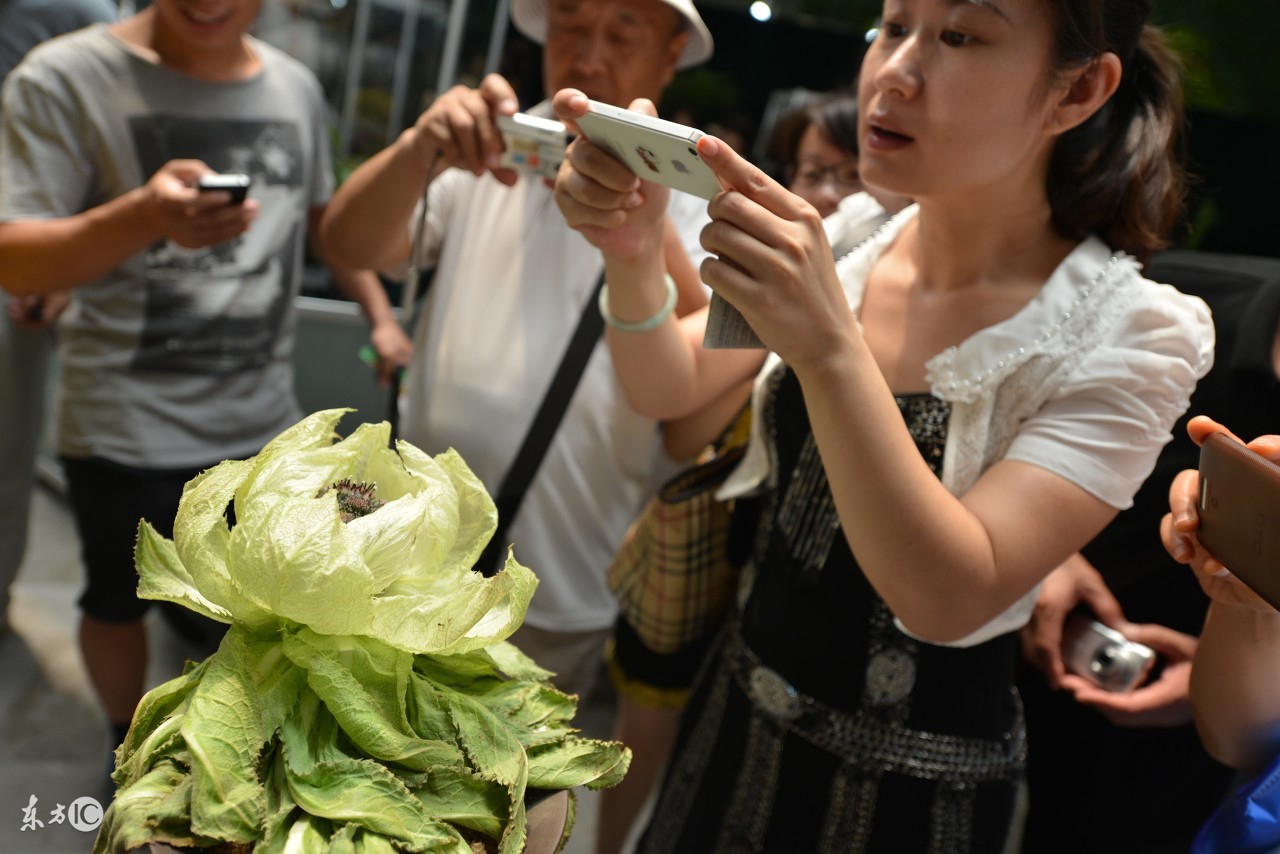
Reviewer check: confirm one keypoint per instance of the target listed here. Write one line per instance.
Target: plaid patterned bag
(672, 576)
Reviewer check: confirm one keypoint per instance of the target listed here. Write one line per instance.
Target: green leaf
(365, 793)
(462, 797)
(162, 705)
(162, 742)
(201, 537)
(367, 702)
(578, 762)
(223, 731)
(296, 832)
(497, 755)
(511, 661)
(161, 575)
(374, 843)
(155, 809)
(477, 515)
(278, 681)
(452, 614)
(317, 430)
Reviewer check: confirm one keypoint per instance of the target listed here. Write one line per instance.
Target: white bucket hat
(530, 18)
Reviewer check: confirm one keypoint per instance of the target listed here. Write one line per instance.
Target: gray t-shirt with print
(176, 358)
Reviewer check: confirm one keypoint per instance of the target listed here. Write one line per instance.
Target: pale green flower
(400, 574)
(364, 698)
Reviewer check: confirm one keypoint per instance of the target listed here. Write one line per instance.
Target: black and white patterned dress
(817, 725)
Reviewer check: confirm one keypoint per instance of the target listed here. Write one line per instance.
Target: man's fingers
(460, 126)
(569, 104)
(497, 92)
(465, 131)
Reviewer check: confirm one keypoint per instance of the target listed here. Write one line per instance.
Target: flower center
(354, 499)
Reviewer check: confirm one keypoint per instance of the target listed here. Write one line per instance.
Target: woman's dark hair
(835, 115)
(1119, 174)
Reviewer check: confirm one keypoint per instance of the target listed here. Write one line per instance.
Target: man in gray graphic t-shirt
(176, 348)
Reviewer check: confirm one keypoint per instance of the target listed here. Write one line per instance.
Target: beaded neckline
(944, 371)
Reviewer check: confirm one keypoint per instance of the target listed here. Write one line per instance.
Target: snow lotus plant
(364, 698)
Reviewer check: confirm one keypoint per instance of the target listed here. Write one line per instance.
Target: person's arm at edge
(1235, 685)
(364, 223)
(1235, 692)
(41, 256)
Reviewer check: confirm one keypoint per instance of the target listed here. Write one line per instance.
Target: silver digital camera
(532, 144)
(1103, 655)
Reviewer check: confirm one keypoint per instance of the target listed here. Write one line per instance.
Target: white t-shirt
(511, 283)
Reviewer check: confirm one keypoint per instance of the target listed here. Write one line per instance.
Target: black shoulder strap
(543, 430)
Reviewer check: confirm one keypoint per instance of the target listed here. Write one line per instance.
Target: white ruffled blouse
(1085, 381)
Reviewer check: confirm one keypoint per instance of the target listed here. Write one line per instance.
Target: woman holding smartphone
(945, 414)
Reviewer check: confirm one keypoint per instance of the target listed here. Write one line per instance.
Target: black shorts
(107, 500)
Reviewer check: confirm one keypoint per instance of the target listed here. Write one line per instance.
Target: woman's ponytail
(1120, 175)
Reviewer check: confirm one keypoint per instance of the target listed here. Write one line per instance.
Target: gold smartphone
(1239, 507)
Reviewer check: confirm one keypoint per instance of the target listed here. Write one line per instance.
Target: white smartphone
(532, 144)
(667, 153)
(655, 149)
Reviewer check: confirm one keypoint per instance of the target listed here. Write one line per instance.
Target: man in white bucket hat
(512, 281)
(530, 18)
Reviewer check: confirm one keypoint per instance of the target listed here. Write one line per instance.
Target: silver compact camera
(1103, 655)
(532, 144)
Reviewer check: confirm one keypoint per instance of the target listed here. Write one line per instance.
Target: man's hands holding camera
(459, 129)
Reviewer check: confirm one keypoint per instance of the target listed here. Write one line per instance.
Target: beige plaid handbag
(672, 576)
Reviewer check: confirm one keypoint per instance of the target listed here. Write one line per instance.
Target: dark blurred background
(381, 61)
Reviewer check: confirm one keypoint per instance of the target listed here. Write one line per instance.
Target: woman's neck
(962, 245)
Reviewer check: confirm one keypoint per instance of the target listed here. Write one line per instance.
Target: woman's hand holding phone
(600, 197)
(771, 260)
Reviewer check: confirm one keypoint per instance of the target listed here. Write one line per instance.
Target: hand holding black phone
(1239, 510)
(235, 183)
